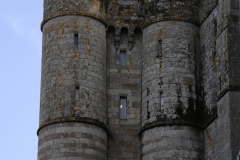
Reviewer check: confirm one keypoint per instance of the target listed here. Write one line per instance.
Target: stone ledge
(73, 119)
(174, 122)
(73, 13)
(229, 88)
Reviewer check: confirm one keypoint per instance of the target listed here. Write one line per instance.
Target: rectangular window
(148, 92)
(148, 112)
(159, 49)
(123, 58)
(161, 100)
(77, 93)
(123, 107)
(75, 41)
(220, 83)
(215, 36)
(215, 27)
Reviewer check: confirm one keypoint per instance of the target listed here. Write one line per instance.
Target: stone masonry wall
(208, 36)
(173, 74)
(123, 142)
(217, 136)
(124, 13)
(70, 141)
(234, 104)
(220, 137)
(206, 7)
(234, 76)
(170, 10)
(172, 143)
(223, 135)
(211, 82)
(197, 73)
(90, 8)
(65, 68)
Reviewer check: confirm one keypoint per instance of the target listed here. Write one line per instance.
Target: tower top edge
(91, 8)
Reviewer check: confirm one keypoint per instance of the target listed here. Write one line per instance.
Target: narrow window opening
(75, 41)
(215, 40)
(203, 48)
(215, 27)
(123, 58)
(220, 83)
(123, 107)
(77, 93)
(148, 112)
(159, 49)
(161, 100)
(138, 6)
(148, 91)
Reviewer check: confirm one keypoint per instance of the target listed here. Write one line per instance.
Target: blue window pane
(123, 107)
(123, 58)
(75, 41)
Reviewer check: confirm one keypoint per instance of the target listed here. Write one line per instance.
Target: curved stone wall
(65, 68)
(172, 142)
(173, 74)
(72, 141)
(90, 8)
(169, 91)
(169, 10)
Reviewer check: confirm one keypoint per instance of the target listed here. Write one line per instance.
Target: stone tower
(170, 80)
(131, 80)
(73, 87)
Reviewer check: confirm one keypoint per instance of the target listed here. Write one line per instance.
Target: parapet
(169, 10)
(91, 8)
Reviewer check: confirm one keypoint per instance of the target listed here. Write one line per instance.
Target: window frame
(77, 90)
(121, 52)
(75, 41)
(122, 108)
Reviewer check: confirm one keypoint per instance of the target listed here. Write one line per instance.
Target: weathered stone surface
(172, 142)
(182, 96)
(90, 8)
(169, 10)
(173, 74)
(64, 68)
(124, 142)
(71, 141)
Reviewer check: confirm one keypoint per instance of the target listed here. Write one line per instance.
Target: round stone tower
(170, 124)
(73, 84)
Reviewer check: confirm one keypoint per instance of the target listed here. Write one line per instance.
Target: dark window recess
(203, 48)
(159, 49)
(75, 41)
(123, 107)
(148, 112)
(148, 92)
(215, 36)
(77, 93)
(161, 100)
(215, 27)
(123, 58)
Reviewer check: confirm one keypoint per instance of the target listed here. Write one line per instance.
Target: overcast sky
(20, 72)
